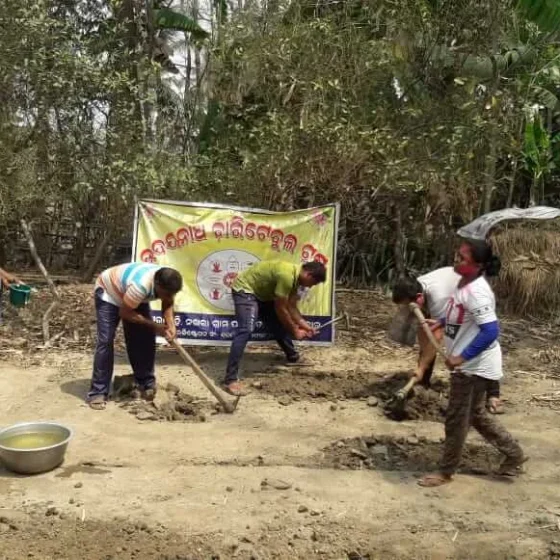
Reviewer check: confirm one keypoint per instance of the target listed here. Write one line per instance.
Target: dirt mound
(415, 454)
(170, 404)
(421, 404)
(424, 404)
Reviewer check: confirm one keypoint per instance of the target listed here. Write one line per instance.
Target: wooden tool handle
(228, 406)
(420, 316)
(402, 393)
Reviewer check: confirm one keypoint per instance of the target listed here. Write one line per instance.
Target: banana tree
(162, 20)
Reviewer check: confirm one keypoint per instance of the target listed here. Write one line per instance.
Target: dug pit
(412, 454)
(295, 385)
(309, 384)
(170, 404)
(421, 404)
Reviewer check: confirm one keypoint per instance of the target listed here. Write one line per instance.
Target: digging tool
(401, 394)
(415, 308)
(344, 317)
(228, 405)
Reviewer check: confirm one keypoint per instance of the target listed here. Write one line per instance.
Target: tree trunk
(41, 267)
(398, 246)
(99, 252)
(489, 174)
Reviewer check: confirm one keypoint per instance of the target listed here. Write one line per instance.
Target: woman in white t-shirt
(431, 292)
(474, 357)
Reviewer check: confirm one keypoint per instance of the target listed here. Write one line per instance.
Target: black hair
(406, 288)
(481, 253)
(316, 270)
(169, 280)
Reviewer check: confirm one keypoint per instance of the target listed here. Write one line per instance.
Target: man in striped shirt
(123, 292)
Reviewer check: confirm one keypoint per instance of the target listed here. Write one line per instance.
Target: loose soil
(422, 404)
(307, 467)
(170, 404)
(413, 454)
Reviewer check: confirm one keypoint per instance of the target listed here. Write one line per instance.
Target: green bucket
(20, 295)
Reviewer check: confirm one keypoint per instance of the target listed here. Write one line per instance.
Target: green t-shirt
(269, 280)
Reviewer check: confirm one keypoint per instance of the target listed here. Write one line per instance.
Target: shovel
(344, 317)
(228, 405)
(401, 395)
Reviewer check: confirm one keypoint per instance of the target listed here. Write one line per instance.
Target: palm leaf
(547, 99)
(164, 18)
(545, 13)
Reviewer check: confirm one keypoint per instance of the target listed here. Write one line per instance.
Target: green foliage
(166, 18)
(411, 113)
(536, 148)
(545, 13)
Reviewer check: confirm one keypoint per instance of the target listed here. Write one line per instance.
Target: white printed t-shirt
(439, 286)
(470, 306)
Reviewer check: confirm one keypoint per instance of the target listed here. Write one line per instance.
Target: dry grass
(529, 282)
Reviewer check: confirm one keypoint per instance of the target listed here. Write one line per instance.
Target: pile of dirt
(170, 404)
(299, 384)
(412, 454)
(421, 404)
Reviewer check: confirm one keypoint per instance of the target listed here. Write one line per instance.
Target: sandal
(98, 402)
(435, 480)
(149, 394)
(236, 389)
(512, 467)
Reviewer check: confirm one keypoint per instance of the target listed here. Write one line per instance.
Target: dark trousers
(492, 386)
(140, 346)
(247, 309)
(466, 408)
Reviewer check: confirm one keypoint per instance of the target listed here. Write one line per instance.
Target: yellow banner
(210, 245)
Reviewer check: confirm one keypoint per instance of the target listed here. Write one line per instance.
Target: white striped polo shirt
(128, 284)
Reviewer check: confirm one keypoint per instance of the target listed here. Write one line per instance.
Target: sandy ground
(305, 468)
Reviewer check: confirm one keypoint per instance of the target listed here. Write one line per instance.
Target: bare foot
(435, 480)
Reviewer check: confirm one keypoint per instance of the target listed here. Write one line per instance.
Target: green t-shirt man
(272, 285)
(269, 280)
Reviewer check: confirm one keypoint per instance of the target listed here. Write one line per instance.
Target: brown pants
(467, 408)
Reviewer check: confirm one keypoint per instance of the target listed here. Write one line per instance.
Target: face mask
(467, 270)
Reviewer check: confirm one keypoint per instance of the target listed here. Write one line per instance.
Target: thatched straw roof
(529, 282)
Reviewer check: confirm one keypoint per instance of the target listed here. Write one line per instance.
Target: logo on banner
(217, 273)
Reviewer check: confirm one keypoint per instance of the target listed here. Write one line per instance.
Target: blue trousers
(247, 309)
(140, 346)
